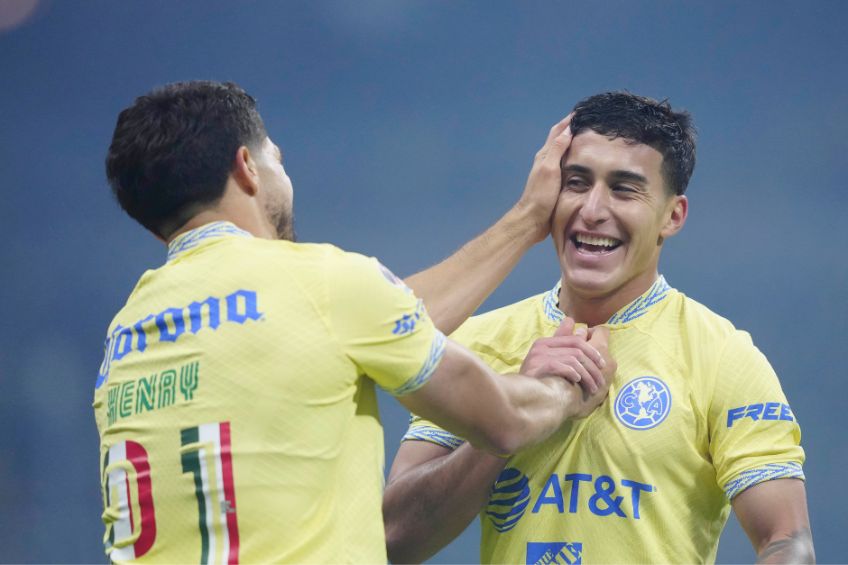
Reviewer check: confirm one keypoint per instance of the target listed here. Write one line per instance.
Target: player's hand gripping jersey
(695, 415)
(235, 418)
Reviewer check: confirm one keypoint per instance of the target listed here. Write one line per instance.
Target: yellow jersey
(236, 402)
(695, 415)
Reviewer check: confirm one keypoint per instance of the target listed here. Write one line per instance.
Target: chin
(589, 283)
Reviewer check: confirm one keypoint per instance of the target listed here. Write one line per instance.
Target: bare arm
(453, 289)
(774, 515)
(494, 412)
(433, 493)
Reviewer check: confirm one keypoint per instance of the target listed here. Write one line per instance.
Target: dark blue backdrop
(408, 127)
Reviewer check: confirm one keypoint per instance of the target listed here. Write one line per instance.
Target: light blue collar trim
(639, 307)
(192, 238)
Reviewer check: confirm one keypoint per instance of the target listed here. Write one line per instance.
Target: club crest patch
(643, 403)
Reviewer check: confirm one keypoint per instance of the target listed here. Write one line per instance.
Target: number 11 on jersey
(206, 454)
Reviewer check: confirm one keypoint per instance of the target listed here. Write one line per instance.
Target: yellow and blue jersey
(695, 415)
(236, 402)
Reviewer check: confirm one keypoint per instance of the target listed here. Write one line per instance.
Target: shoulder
(695, 325)
(710, 340)
(507, 331)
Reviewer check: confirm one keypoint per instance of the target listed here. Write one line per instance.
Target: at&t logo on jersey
(509, 499)
(573, 493)
(643, 403)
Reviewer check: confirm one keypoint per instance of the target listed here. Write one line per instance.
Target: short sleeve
(754, 436)
(424, 430)
(380, 324)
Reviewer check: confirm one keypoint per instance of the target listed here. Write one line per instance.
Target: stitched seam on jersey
(192, 239)
(757, 475)
(433, 435)
(437, 351)
(714, 380)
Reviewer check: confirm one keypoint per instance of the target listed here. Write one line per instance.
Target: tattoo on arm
(797, 548)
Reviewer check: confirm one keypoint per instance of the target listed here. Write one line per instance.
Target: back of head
(639, 119)
(173, 150)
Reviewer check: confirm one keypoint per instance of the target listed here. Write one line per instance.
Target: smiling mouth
(594, 244)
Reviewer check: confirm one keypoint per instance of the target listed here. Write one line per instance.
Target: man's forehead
(592, 150)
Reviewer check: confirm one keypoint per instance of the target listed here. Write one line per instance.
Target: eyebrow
(618, 174)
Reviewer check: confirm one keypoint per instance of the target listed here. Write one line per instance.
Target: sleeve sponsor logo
(556, 552)
(406, 324)
(643, 403)
(759, 412)
(172, 323)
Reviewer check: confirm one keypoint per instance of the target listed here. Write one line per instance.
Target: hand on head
(545, 180)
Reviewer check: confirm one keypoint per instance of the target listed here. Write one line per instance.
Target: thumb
(566, 328)
(599, 335)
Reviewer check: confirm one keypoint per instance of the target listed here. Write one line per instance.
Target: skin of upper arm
(413, 453)
(774, 515)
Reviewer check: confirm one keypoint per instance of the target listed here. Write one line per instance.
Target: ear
(245, 171)
(678, 210)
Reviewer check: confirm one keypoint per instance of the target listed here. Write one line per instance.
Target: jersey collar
(639, 307)
(193, 238)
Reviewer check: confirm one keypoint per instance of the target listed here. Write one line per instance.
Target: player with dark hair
(696, 421)
(236, 401)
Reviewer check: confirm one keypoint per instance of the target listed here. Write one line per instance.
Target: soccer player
(236, 401)
(696, 422)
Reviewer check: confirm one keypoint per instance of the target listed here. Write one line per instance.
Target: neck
(592, 309)
(247, 222)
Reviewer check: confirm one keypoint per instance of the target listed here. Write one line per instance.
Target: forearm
(795, 548)
(453, 289)
(430, 505)
(493, 412)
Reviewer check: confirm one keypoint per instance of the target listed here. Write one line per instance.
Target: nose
(595, 208)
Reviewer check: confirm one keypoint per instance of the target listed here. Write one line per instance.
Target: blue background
(408, 127)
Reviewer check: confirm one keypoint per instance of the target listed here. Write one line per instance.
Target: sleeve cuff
(433, 435)
(757, 475)
(437, 350)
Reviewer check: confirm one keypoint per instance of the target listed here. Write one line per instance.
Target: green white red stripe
(206, 453)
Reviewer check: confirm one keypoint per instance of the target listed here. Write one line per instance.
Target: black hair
(639, 119)
(174, 147)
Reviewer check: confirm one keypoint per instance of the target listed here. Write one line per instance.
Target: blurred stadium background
(408, 127)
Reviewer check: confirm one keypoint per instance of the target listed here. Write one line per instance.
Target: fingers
(558, 128)
(599, 335)
(577, 363)
(566, 328)
(558, 145)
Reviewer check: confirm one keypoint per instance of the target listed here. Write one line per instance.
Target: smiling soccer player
(696, 421)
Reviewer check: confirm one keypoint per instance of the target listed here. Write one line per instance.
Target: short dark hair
(174, 147)
(639, 119)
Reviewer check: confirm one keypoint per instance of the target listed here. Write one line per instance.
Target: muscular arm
(418, 524)
(774, 515)
(453, 289)
(494, 412)
(433, 493)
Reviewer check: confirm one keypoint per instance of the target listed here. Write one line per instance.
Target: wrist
(527, 222)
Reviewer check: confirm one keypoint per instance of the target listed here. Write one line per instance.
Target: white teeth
(593, 240)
